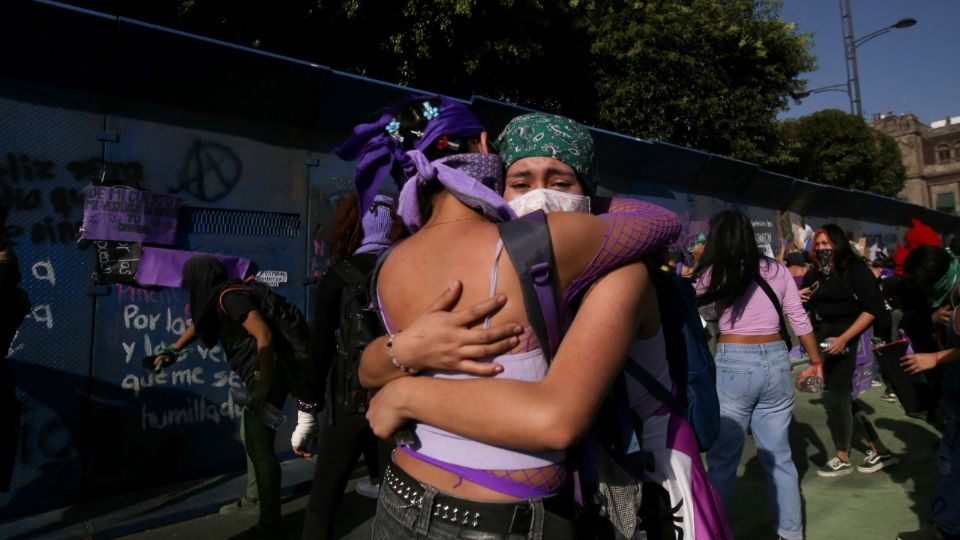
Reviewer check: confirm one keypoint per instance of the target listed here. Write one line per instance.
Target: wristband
(309, 408)
(393, 358)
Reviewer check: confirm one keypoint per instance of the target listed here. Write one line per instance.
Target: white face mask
(550, 200)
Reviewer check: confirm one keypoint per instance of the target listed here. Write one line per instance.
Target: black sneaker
(889, 397)
(835, 467)
(874, 461)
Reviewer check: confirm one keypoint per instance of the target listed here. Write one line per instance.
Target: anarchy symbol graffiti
(210, 172)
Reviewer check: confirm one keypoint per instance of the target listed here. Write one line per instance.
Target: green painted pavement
(856, 507)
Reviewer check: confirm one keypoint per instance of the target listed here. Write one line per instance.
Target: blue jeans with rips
(755, 388)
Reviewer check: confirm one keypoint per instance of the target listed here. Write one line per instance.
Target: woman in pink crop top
(428, 491)
(754, 382)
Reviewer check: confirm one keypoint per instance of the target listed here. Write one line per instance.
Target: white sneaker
(368, 489)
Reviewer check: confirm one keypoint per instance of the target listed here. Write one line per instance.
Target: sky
(914, 69)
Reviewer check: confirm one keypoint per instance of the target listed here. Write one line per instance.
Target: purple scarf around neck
(474, 179)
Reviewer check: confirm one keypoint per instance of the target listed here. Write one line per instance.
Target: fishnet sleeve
(634, 228)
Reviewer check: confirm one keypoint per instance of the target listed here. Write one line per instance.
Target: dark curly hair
(412, 125)
(346, 234)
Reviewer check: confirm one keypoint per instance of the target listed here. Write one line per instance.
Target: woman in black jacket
(844, 298)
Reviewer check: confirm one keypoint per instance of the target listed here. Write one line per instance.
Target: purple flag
(129, 215)
(164, 267)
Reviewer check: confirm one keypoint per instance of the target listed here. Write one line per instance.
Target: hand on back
(446, 340)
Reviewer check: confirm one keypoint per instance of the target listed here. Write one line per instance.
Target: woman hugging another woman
(491, 432)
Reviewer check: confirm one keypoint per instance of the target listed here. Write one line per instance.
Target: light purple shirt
(754, 314)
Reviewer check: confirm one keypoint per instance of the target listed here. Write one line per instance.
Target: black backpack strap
(349, 273)
(784, 335)
(528, 244)
(238, 286)
(653, 386)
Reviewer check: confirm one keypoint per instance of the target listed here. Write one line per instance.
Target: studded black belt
(493, 517)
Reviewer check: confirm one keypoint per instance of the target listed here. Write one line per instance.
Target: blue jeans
(945, 508)
(755, 388)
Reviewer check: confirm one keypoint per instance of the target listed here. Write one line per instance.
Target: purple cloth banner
(129, 215)
(164, 267)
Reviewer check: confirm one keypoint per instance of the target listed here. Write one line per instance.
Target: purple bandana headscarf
(378, 152)
(475, 179)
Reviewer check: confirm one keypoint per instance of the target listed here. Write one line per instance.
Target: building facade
(931, 155)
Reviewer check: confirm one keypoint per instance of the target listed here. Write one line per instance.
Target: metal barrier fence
(244, 138)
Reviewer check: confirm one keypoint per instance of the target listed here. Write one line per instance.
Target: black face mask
(824, 256)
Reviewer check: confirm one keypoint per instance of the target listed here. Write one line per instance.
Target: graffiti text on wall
(24, 187)
(41, 313)
(149, 324)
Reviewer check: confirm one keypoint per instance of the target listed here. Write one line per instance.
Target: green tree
(840, 149)
(706, 74)
(528, 52)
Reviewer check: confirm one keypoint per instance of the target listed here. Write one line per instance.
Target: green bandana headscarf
(946, 284)
(549, 135)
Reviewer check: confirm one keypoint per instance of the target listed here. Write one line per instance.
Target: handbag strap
(776, 303)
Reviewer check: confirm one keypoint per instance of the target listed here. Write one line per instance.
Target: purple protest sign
(164, 267)
(129, 215)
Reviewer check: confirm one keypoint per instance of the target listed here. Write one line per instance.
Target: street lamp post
(845, 88)
(850, 45)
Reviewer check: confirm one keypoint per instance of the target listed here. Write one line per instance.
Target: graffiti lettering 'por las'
(210, 171)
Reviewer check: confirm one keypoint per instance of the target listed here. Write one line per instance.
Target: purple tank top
(473, 460)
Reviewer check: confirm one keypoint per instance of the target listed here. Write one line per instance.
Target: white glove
(305, 435)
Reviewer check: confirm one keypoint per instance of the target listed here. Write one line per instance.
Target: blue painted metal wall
(245, 139)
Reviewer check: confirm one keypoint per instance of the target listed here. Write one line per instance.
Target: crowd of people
(491, 339)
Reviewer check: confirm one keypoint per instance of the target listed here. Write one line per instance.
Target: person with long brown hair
(844, 297)
(754, 296)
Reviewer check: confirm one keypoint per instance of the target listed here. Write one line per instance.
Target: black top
(840, 299)
(239, 346)
(326, 315)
